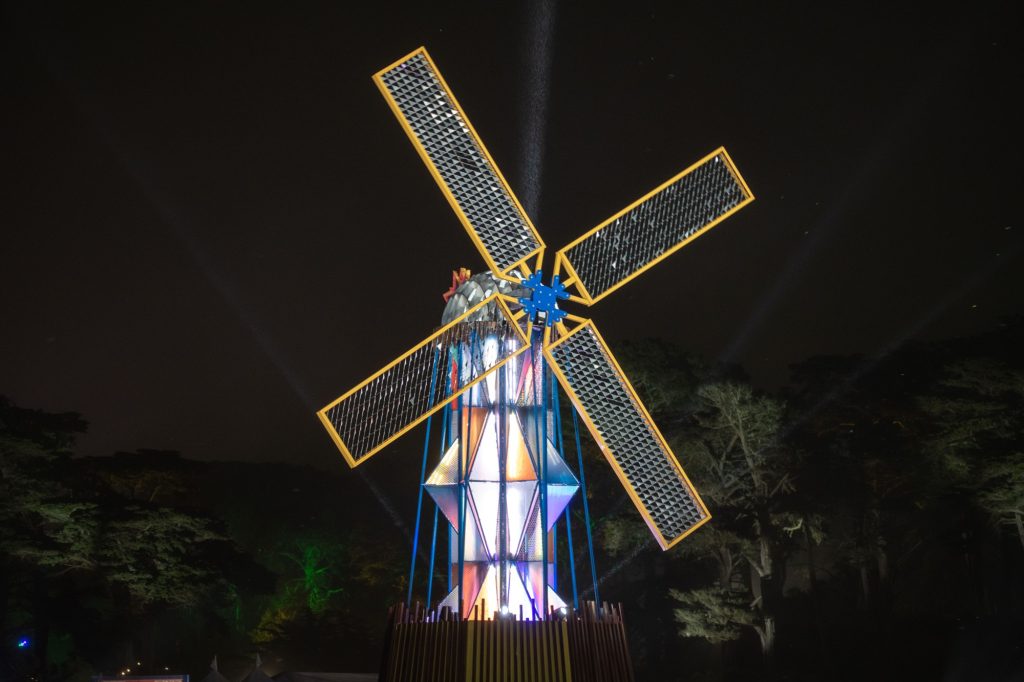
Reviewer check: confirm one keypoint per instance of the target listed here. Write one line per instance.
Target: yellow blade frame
(385, 406)
(653, 227)
(459, 162)
(626, 434)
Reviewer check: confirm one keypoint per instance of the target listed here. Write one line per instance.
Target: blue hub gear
(543, 300)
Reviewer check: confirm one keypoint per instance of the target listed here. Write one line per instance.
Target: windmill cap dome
(476, 289)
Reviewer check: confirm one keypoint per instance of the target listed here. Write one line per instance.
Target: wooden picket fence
(581, 646)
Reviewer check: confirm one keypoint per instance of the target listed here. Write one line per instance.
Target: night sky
(212, 224)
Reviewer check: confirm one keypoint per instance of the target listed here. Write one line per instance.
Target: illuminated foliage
(311, 586)
(157, 556)
(740, 465)
(317, 575)
(978, 411)
(40, 521)
(1002, 491)
(712, 613)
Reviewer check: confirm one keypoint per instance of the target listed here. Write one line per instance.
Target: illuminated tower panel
(492, 466)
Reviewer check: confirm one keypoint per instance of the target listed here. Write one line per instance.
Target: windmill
(501, 481)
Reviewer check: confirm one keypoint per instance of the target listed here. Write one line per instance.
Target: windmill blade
(626, 434)
(459, 162)
(654, 226)
(417, 384)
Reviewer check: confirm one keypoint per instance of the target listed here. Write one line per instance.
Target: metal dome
(476, 289)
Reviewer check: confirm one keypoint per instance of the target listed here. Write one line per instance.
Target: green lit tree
(312, 584)
(317, 581)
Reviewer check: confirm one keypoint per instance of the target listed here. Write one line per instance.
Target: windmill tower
(493, 370)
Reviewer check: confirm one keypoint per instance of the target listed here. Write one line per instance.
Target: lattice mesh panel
(459, 159)
(630, 438)
(629, 242)
(395, 399)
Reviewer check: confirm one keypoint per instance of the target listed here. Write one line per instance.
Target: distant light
(504, 609)
(22, 643)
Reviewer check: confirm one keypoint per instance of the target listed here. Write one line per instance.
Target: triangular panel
(472, 428)
(487, 599)
(447, 470)
(523, 571)
(490, 353)
(554, 601)
(473, 575)
(474, 548)
(524, 382)
(520, 501)
(530, 546)
(558, 497)
(531, 427)
(535, 579)
(485, 459)
(484, 498)
(519, 464)
(557, 471)
(519, 601)
(446, 497)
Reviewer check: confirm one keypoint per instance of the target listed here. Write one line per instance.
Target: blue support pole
(557, 409)
(446, 443)
(503, 553)
(419, 498)
(554, 528)
(572, 561)
(433, 547)
(544, 483)
(462, 483)
(554, 556)
(433, 537)
(539, 453)
(586, 511)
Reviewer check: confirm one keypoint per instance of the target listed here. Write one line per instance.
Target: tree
(44, 532)
(741, 468)
(1001, 491)
(40, 522)
(318, 581)
(70, 545)
(715, 614)
(159, 557)
(976, 409)
(310, 583)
